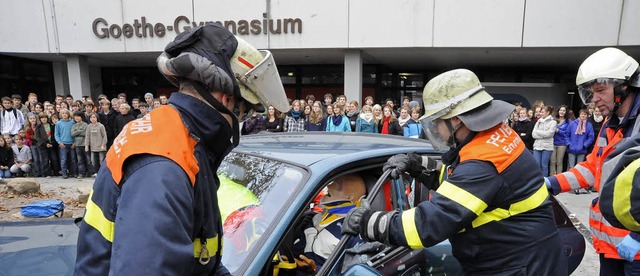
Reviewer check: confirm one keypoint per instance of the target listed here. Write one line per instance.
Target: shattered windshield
(253, 190)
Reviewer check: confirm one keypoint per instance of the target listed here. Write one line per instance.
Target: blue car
(268, 183)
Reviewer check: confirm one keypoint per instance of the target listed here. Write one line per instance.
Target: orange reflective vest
(589, 173)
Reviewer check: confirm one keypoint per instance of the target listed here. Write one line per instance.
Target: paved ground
(67, 190)
(578, 208)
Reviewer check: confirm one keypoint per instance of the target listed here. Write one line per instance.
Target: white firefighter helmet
(258, 77)
(459, 93)
(608, 65)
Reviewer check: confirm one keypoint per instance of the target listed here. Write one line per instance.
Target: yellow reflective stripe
(442, 172)
(622, 196)
(212, 247)
(96, 219)
(462, 197)
(410, 229)
(525, 205)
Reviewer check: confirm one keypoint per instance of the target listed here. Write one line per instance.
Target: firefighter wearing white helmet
(154, 206)
(491, 206)
(609, 79)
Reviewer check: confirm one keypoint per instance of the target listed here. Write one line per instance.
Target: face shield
(599, 86)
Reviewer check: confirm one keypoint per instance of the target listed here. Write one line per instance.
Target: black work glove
(372, 226)
(412, 163)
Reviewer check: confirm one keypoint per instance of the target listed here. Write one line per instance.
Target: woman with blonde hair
(377, 113)
(295, 121)
(338, 122)
(316, 121)
(365, 121)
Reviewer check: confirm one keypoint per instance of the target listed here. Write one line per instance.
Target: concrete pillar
(79, 83)
(353, 75)
(60, 78)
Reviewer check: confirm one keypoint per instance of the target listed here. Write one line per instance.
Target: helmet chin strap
(235, 125)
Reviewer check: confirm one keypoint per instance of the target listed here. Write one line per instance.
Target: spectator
(96, 142)
(591, 108)
(63, 136)
(6, 159)
(531, 115)
(365, 121)
(78, 132)
(524, 127)
(122, 119)
(253, 125)
(342, 99)
(8, 140)
(58, 99)
(135, 107)
(391, 104)
(543, 132)
(144, 110)
(317, 121)
(30, 136)
(368, 101)
(164, 100)
(22, 157)
(17, 104)
(68, 100)
(38, 108)
(273, 123)
(404, 115)
(560, 141)
(377, 114)
(148, 98)
(123, 98)
(295, 121)
(115, 105)
(581, 137)
(352, 113)
(539, 111)
(107, 118)
(45, 139)
(413, 128)
(11, 119)
(389, 123)
(338, 122)
(156, 103)
(307, 110)
(596, 121)
(328, 101)
(32, 100)
(310, 99)
(64, 105)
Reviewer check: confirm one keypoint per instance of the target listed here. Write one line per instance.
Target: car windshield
(253, 190)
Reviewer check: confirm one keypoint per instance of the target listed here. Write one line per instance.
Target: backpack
(43, 209)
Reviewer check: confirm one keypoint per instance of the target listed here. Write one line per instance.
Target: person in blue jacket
(65, 141)
(365, 121)
(154, 208)
(413, 128)
(338, 122)
(560, 141)
(581, 137)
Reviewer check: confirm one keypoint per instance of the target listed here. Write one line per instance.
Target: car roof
(307, 148)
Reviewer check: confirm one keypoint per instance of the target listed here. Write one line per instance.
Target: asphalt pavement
(577, 206)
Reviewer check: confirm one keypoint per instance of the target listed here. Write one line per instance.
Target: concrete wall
(65, 26)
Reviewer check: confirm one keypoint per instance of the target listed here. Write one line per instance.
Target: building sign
(142, 28)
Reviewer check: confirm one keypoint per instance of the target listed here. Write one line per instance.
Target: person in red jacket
(608, 78)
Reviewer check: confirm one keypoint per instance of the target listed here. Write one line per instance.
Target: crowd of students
(340, 116)
(555, 134)
(63, 137)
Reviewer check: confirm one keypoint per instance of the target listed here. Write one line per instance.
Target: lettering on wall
(142, 28)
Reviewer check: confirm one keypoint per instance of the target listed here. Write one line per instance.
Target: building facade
(521, 50)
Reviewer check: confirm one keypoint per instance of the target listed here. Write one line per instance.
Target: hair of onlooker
(316, 117)
(16, 97)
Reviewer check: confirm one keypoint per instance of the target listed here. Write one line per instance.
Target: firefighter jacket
(494, 209)
(613, 134)
(153, 209)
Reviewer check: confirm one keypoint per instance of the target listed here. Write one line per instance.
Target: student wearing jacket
(581, 137)
(543, 132)
(524, 127)
(493, 208)
(338, 122)
(389, 124)
(413, 128)
(154, 206)
(365, 121)
(560, 141)
(608, 78)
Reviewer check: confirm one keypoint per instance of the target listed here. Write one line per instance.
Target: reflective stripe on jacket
(493, 208)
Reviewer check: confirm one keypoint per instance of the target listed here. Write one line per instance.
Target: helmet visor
(264, 82)
(598, 87)
(432, 131)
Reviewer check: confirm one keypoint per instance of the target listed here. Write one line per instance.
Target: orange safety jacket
(589, 173)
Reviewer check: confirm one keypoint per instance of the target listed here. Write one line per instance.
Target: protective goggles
(586, 90)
